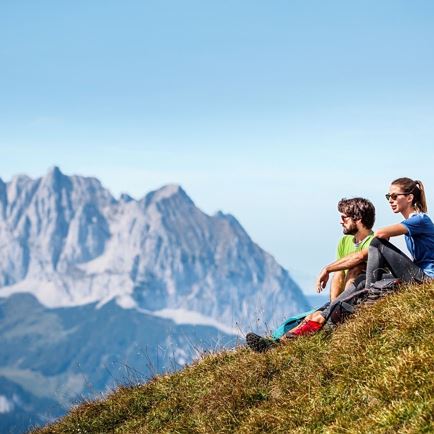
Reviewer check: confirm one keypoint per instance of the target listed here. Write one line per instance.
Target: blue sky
(271, 111)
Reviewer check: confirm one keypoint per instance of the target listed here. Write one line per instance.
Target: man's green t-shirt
(347, 245)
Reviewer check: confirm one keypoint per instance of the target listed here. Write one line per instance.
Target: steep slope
(66, 240)
(373, 374)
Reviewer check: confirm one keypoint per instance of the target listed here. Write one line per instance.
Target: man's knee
(354, 273)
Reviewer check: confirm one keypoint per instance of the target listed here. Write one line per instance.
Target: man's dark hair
(358, 208)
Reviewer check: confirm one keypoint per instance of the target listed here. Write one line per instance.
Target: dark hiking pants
(383, 256)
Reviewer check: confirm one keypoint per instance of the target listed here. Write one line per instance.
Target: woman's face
(399, 201)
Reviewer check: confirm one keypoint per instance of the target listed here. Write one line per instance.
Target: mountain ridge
(90, 283)
(68, 241)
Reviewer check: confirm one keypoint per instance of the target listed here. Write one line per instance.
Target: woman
(408, 198)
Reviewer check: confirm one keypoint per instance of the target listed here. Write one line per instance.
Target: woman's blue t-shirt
(420, 241)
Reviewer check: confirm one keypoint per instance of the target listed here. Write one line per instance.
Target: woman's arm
(391, 231)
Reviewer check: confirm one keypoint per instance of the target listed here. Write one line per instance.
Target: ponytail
(415, 188)
(421, 204)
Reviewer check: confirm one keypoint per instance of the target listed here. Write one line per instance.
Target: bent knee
(355, 271)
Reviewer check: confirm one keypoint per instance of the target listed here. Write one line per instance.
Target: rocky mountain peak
(169, 192)
(54, 175)
(125, 197)
(171, 196)
(69, 242)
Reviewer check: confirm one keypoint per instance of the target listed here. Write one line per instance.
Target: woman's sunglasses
(394, 196)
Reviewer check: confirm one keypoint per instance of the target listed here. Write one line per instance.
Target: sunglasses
(345, 217)
(394, 196)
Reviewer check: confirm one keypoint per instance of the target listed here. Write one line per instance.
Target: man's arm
(344, 263)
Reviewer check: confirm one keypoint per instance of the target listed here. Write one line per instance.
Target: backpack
(348, 305)
(382, 288)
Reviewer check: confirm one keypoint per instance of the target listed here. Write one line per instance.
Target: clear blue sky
(271, 111)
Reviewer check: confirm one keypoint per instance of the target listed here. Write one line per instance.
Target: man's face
(349, 226)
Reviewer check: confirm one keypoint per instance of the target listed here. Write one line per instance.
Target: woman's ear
(410, 198)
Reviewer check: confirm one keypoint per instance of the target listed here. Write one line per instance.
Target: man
(357, 217)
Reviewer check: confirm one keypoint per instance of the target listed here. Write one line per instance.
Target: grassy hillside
(372, 374)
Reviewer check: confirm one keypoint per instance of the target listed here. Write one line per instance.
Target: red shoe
(308, 328)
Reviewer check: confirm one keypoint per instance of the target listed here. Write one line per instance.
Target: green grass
(372, 374)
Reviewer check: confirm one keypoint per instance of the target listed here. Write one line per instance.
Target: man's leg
(352, 281)
(383, 254)
(355, 275)
(314, 316)
(353, 285)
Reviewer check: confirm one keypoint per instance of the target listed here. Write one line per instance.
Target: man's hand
(322, 280)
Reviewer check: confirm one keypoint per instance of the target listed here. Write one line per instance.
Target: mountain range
(86, 279)
(69, 242)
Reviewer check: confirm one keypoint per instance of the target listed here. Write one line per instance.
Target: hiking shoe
(308, 328)
(258, 343)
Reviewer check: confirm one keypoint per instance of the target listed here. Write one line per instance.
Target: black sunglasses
(394, 196)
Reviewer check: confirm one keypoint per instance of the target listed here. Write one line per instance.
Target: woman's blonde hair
(415, 188)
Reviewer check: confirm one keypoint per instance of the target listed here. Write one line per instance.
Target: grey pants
(382, 254)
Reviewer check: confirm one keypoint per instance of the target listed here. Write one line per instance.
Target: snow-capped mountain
(68, 241)
(123, 287)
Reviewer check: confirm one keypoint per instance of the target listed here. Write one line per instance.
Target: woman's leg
(383, 254)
